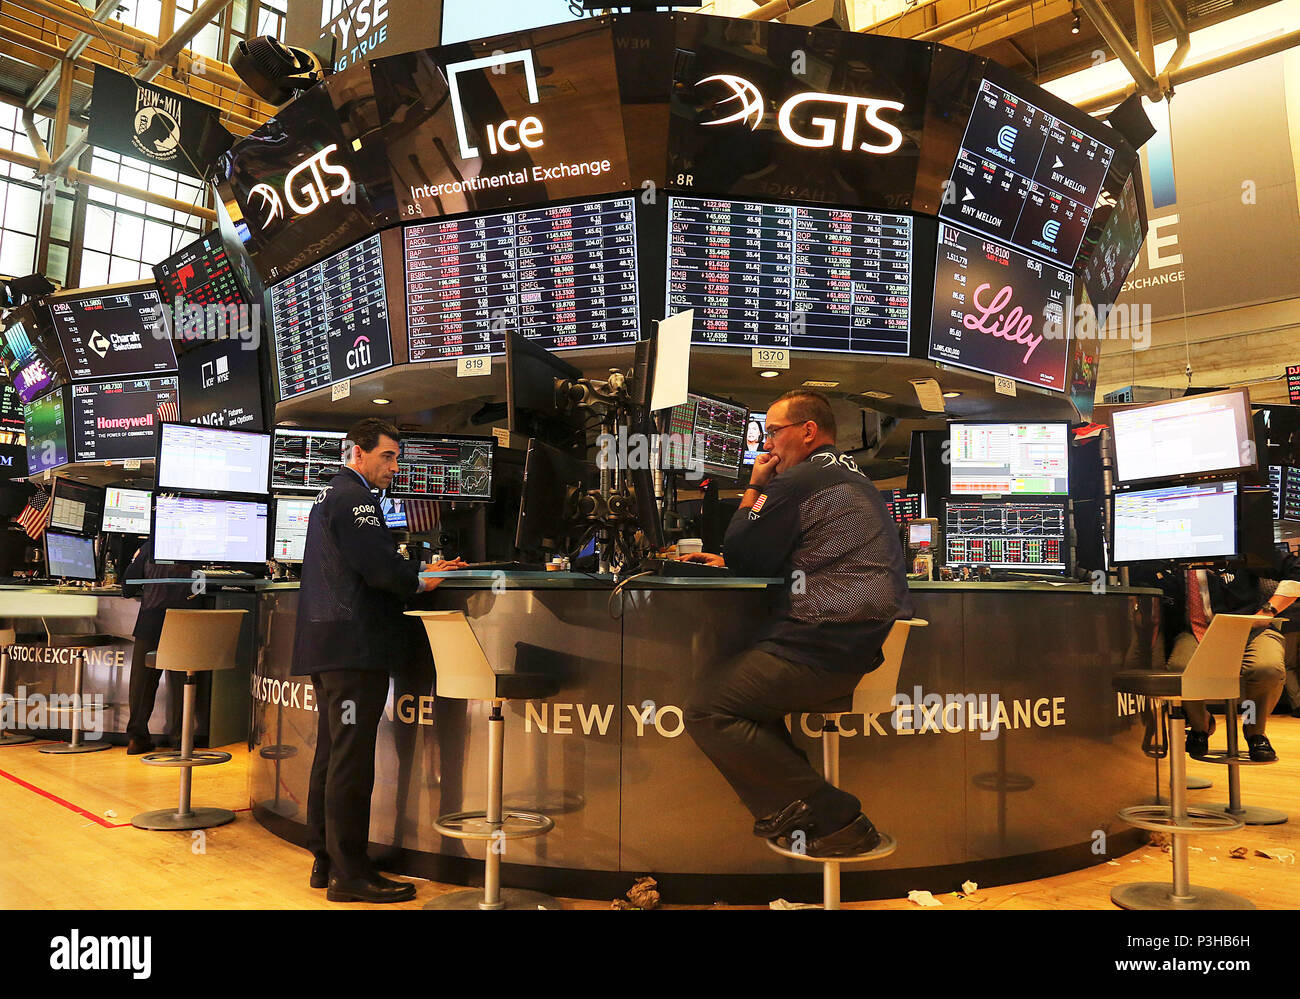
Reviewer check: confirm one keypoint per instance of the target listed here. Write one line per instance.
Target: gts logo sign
(307, 193)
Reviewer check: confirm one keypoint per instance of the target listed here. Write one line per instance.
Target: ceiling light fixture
(768, 374)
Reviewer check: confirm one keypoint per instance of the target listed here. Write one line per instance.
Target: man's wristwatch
(1268, 609)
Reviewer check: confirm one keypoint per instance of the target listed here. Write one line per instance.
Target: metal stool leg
(8, 738)
(185, 816)
(1183, 895)
(76, 745)
(831, 769)
(1252, 815)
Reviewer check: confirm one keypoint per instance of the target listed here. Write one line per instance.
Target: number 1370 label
(770, 357)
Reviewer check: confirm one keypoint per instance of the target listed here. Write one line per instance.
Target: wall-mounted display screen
(120, 419)
(444, 468)
(221, 386)
(330, 322)
(208, 530)
(766, 275)
(47, 433)
(199, 274)
(1005, 535)
(1010, 459)
(1026, 177)
(1117, 248)
(31, 355)
(1179, 522)
(564, 276)
(205, 459)
(127, 511)
(113, 335)
(716, 431)
(999, 311)
(305, 459)
(1204, 434)
(902, 505)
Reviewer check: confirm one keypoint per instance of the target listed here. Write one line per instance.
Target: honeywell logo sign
(812, 119)
(124, 423)
(310, 184)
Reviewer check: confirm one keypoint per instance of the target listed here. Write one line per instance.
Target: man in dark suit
(350, 634)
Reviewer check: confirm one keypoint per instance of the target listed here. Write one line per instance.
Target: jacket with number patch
(355, 585)
(824, 528)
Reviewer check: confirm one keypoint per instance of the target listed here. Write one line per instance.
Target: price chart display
(330, 321)
(200, 275)
(765, 275)
(1025, 176)
(1005, 535)
(444, 468)
(564, 276)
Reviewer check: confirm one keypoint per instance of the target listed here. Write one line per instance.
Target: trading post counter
(1006, 759)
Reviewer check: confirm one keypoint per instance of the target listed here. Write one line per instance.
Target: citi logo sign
(839, 120)
(512, 134)
(359, 356)
(305, 194)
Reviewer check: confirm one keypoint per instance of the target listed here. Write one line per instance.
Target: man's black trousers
(349, 705)
(737, 717)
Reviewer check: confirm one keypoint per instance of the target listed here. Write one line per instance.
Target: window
(208, 40)
(20, 196)
(143, 14)
(271, 16)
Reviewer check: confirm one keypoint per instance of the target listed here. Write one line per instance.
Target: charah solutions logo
(845, 117)
(304, 194)
(101, 953)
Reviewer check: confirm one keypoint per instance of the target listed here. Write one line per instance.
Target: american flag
(169, 412)
(421, 516)
(36, 514)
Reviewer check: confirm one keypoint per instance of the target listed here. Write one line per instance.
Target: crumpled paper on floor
(923, 898)
(642, 895)
(1277, 853)
(781, 903)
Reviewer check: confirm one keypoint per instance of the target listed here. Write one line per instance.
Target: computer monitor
(903, 506)
(70, 556)
(755, 428)
(212, 460)
(394, 511)
(113, 333)
(535, 405)
(716, 430)
(76, 507)
(209, 530)
(290, 538)
(126, 511)
(46, 425)
(921, 533)
(549, 517)
(1176, 523)
(444, 467)
(1006, 534)
(1009, 459)
(1199, 435)
(305, 459)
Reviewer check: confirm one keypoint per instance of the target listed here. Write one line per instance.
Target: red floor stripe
(77, 808)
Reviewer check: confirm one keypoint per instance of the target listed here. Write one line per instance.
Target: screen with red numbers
(200, 274)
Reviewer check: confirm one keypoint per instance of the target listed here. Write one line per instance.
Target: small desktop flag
(36, 514)
(421, 516)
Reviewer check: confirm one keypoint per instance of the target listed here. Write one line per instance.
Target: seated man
(811, 517)
(1263, 672)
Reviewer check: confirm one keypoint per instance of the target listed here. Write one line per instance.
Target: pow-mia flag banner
(155, 125)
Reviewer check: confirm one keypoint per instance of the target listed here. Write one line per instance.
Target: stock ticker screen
(119, 419)
(444, 468)
(330, 321)
(305, 459)
(199, 274)
(902, 505)
(717, 431)
(1006, 535)
(563, 276)
(767, 275)
(1025, 176)
(113, 335)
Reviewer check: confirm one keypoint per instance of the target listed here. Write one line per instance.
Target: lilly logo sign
(305, 194)
(839, 119)
(512, 134)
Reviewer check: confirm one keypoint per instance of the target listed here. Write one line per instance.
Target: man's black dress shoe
(137, 746)
(320, 872)
(1198, 744)
(1261, 750)
(796, 815)
(371, 888)
(854, 839)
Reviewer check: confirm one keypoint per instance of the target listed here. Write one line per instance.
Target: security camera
(276, 73)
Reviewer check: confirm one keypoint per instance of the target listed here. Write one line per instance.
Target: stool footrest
(1160, 818)
(515, 824)
(1242, 759)
(886, 846)
(198, 758)
(168, 819)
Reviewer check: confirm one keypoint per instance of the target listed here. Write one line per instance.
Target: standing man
(810, 516)
(142, 689)
(350, 633)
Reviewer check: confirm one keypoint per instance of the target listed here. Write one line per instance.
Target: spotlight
(15, 291)
(275, 72)
(768, 374)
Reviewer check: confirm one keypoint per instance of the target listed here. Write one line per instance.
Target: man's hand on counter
(708, 558)
(442, 565)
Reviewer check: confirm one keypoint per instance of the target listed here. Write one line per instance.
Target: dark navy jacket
(354, 585)
(824, 527)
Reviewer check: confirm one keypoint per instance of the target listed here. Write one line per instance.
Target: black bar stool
(1234, 759)
(464, 672)
(192, 642)
(873, 695)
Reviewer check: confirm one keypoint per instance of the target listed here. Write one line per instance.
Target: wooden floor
(68, 843)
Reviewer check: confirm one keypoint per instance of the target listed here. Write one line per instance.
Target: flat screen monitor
(305, 460)
(1117, 248)
(920, 534)
(548, 509)
(1005, 534)
(70, 556)
(563, 276)
(76, 507)
(46, 425)
(212, 530)
(200, 274)
(1009, 459)
(755, 427)
(1290, 493)
(1000, 311)
(208, 460)
(1275, 487)
(330, 321)
(221, 386)
(117, 420)
(126, 511)
(31, 354)
(113, 334)
(902, 505)
(290, 538)
(706, 435)
(394, 512)
(1208, 434)
(1176, 523)
(11, 407)
(444, 467)
(1025, 174)
(534, 407)
(770, 275)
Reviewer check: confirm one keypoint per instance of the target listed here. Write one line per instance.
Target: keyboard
(227, 574)
(672, 567)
